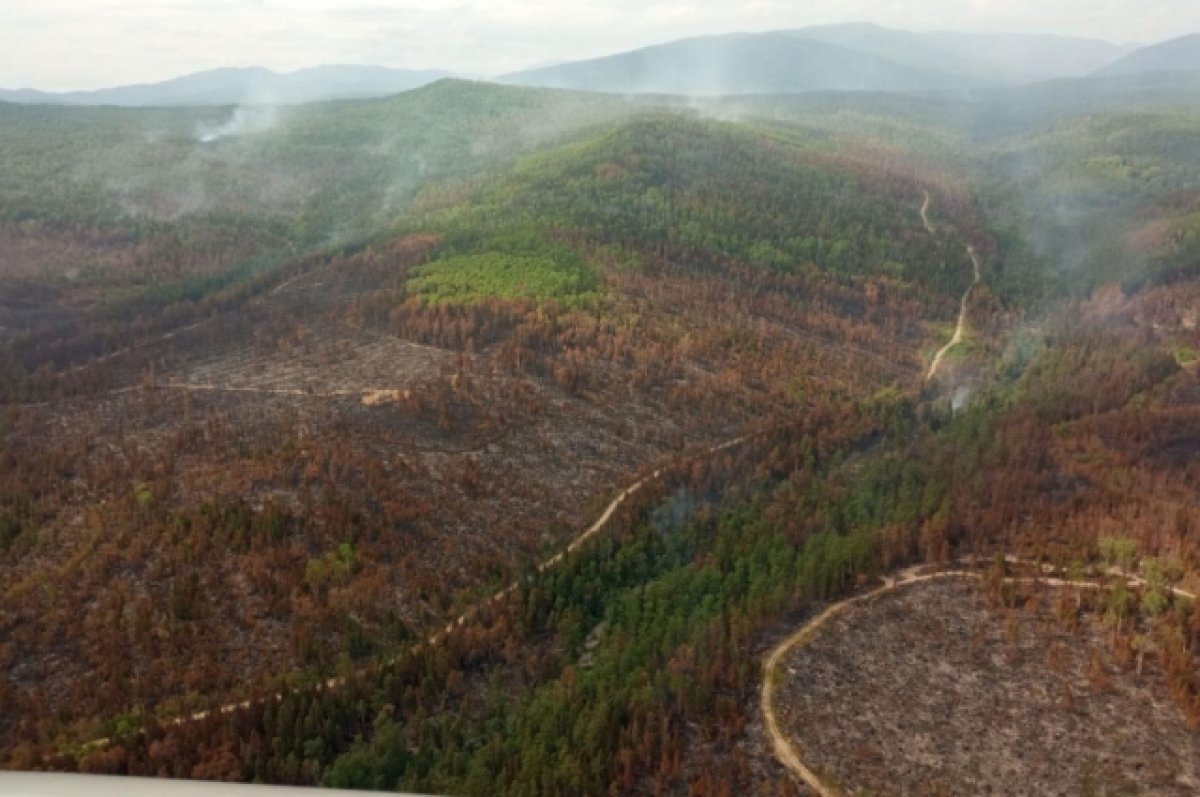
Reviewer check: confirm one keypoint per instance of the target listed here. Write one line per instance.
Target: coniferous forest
(300, 429)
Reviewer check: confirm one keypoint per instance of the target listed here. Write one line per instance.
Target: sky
(61, 45)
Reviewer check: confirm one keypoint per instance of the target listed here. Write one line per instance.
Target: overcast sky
(75, 44)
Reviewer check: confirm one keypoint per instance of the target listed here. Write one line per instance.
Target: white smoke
(962, 397)
(245, 119)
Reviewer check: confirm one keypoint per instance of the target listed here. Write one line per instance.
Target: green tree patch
(466, 279)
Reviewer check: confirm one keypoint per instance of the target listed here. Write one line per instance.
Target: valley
(706, 419)
(960, 325)
(445, 415)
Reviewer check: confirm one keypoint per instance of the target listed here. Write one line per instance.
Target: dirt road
(470, 613)
(784, 750)
(925, 214)
(960, 327)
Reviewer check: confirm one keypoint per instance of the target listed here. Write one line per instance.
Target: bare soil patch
(929, 691)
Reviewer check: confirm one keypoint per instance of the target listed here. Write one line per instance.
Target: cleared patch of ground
(929, 691)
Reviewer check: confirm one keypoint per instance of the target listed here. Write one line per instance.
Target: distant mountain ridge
(849, 57)
(251, 85)
(1028, 58)
(1175, 55)
(860, 56)
(739, 63)
(996, 57)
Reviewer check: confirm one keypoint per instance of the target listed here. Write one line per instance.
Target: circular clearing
(927, 691)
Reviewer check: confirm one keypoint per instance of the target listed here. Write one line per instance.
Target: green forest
(285, 414)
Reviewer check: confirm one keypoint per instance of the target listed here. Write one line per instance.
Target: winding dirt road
(471, 612)
(925, 214)
(961, 326)
(784, 750)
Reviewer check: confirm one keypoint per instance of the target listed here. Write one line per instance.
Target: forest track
(472, 611)
(961, 326)
(168, 335)
(370, 396)
(925, 214)
(782, 749)
(785, 751)
(189, 387)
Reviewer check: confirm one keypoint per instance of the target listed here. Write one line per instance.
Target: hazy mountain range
(827, 58)
(838, 57)
(1176, 55)
(252, 85)
(762, 63)
(999, 57)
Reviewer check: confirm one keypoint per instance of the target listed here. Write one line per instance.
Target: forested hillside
(335, 456)
(696, 194)
(309, 415)
(635, 663)
(1086, 182)
(108, 213)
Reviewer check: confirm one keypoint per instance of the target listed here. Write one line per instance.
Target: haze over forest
(538, 399)
(857, 56)
(64, 45)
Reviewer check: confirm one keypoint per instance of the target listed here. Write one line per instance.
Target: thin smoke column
(245, 119)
